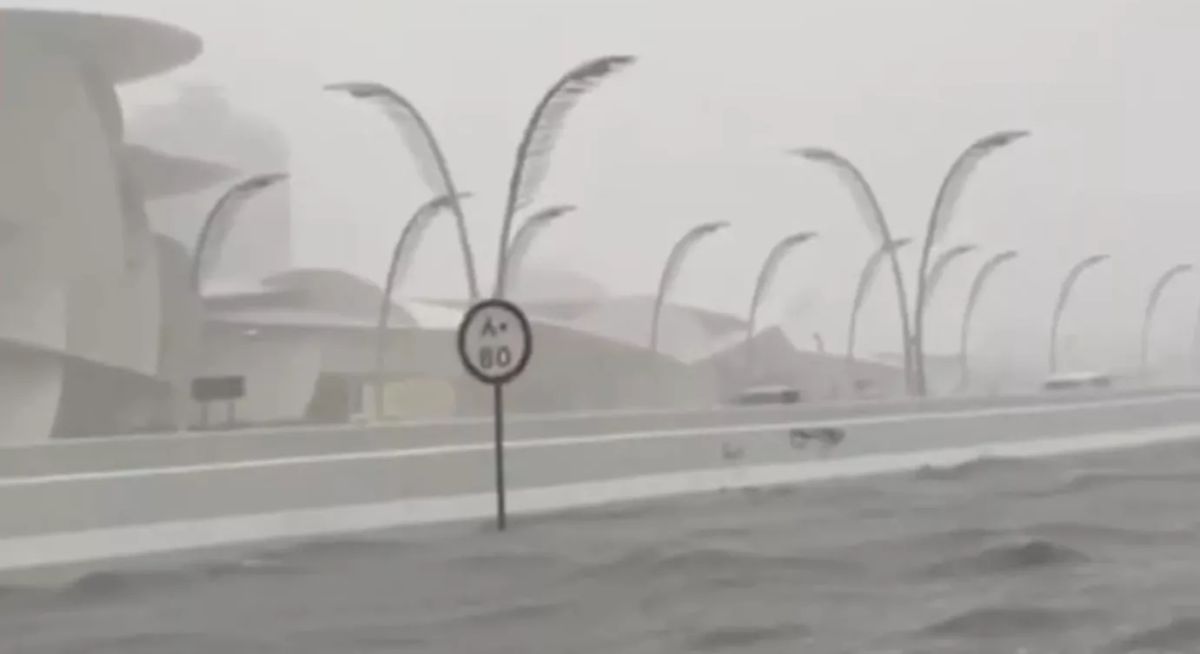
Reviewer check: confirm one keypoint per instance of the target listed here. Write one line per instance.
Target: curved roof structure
(687, 334)
(160, 175)
(122, 48)
(325, 298)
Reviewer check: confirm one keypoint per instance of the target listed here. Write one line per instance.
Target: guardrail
(79, 516)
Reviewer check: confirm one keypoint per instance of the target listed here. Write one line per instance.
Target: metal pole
(762, 285)
(1064, 295)
(977, 286)
(498, 408)
(397, 266)
(518, 249)
(228, 202)
(1147, 320)
(671, 271)
(939, 217)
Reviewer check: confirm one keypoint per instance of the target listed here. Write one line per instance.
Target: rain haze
(697, 130)
(250, 400)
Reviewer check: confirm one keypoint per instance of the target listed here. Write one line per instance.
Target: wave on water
(977, 468)
(158, 642)
(507, 562)
(1092, 480)
(668, 574)
(1009, 559)
(360, 636)
(698, 562)
(248, 567)
(336, 548)
(118, 584)
(951, 538)
(1006, 622)
(1095, 534)
(516, 613)
(742, 637)
(1178, 635)
(103, 586)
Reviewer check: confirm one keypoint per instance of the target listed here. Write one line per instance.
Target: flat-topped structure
(120, 49)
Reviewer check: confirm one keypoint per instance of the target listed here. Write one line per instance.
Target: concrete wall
(84, 517)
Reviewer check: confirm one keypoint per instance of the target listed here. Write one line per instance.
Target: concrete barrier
(60, 518)
(191, 448)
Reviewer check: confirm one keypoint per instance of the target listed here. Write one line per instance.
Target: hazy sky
(696, 130)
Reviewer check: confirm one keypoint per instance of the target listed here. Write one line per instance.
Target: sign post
(495, 343)
(207, 390)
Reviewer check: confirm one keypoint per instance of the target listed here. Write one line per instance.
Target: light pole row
(940, 219)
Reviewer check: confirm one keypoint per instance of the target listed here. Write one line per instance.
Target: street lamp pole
(532, 161)
(219, 222)
(1152, 304)
(671, 270)
(398, 266)
(427, 153)
(1064, 294)
(766, 277)
(876, 223)
(937, 272)
(866, 281)
(524, 238)
(981, 279)
(205, 253)
(940, 218)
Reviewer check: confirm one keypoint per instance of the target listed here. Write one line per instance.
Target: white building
(85, 282)
(101, 331)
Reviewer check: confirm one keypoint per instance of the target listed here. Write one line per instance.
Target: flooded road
(1083, 554)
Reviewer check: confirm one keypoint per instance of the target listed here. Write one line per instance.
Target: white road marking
(92, 545)
(566, 441)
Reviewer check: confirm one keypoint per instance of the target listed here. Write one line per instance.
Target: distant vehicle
(760, 395)
(1078, 381)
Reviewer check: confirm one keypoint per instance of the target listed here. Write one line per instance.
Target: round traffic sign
(495, 341)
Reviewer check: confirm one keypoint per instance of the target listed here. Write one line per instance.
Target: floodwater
(1087, 554)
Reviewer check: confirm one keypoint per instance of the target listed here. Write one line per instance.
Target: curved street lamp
(671, 270)
(981, 279)
(876, 223)
(427, 153)
(1196, 344)
(1064, 294)
(219, 222)
(525, 236)
(940, 218)
(766, 277)
(866, 281)
(937, 272)
(398, 265)
(1152, 304)
(537, 142)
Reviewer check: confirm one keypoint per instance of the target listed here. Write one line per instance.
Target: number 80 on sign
(495, 341)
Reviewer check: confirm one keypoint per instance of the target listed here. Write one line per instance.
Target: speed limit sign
(495, 343)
